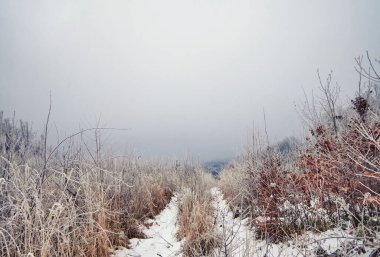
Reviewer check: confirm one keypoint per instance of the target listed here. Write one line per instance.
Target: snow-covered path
(161, 236)
(236, 236)
(238, 240)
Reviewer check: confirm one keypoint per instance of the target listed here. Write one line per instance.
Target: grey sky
(188, 76)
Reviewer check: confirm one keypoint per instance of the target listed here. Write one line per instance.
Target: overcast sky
(187, 76)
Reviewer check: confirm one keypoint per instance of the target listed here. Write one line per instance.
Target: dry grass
(196, 217)
(87, 203)
(234, 184)
(78, 214)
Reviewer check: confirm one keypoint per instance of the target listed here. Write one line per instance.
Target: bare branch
(78, 133)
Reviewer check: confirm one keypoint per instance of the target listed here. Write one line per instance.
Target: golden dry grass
(196, 217)
(82, 211)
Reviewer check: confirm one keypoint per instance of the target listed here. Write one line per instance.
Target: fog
(188, 77)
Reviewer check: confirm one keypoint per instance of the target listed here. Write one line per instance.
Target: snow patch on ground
(161, 236)
(238, 239)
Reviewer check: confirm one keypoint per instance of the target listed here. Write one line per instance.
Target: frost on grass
(239, 239)
(161, 236)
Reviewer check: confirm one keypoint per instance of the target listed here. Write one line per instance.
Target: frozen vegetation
(314, 197)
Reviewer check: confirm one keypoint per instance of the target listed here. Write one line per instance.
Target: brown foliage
(345, 167)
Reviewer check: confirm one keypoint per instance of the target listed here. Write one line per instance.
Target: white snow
(161, 236)
(238, 239)
(236, 236)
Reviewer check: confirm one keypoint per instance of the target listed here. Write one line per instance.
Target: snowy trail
(161, 236)
(237, 238)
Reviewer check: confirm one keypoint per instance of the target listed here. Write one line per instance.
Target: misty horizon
(189, 78)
